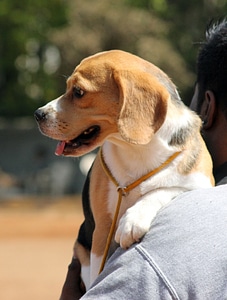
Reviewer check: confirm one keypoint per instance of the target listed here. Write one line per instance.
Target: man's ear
(208, 110)
(143, 105)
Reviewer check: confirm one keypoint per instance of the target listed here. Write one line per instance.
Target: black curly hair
(212, 64)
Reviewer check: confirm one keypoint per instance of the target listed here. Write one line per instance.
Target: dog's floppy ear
(143, 103)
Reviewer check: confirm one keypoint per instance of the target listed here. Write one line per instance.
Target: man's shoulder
(189, 237)
(203, 195)
(200, 204)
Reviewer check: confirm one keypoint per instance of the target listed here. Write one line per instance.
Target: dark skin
(214, 126)
(73, 288)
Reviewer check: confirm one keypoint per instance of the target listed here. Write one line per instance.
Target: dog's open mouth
(85, 138)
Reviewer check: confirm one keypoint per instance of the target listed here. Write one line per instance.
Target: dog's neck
(133, 160)
(123, 158)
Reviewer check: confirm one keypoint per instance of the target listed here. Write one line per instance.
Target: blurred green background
(41, 42)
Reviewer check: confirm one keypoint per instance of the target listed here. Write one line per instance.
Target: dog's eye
(77, 92)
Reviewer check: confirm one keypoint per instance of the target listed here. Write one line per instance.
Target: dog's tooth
(88, 131)
(76, 144)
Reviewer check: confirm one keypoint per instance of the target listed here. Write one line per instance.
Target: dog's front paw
(132, 227)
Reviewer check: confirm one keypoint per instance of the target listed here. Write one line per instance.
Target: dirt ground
(36, 240)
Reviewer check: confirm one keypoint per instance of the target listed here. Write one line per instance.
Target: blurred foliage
(42, 42)
(116, 25)
(26, 67)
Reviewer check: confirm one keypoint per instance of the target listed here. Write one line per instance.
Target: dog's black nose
(40, 115)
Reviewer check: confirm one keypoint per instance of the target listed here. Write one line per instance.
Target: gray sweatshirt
(184, 255)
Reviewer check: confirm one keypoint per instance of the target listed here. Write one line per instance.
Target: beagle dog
(132, 110)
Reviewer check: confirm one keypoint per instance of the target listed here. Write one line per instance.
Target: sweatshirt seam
(158, 271)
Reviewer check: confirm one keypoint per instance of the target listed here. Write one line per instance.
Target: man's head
(212, 66)
(210, 97)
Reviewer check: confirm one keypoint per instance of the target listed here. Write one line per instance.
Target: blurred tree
(27, 57)
(105, 25)
(187, 22)
(40, 42)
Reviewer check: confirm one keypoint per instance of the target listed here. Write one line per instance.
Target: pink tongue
(60, 148)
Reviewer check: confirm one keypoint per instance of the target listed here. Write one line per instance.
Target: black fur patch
(180, 137)
(88, 226)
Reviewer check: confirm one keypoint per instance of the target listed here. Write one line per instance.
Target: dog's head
(110, 93)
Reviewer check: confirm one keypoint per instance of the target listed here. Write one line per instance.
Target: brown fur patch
(143, 105)
(196, 160)
(82, 254)
(99, 205)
